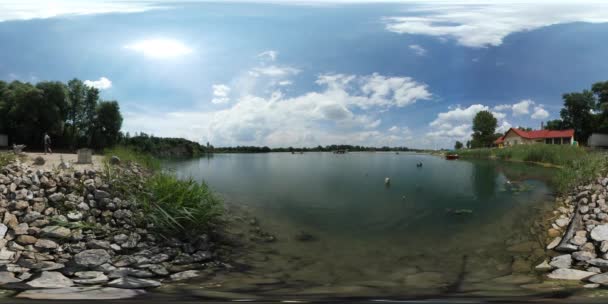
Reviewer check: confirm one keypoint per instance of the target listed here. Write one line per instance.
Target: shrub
(129, 155)
(180, 208)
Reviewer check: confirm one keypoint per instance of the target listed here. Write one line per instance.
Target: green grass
(576, 165)
(182, 208)
(6, 158)
(130, 155)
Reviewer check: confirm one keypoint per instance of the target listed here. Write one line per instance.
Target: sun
(160, 48)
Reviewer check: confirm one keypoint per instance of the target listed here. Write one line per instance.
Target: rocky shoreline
(70, 233)
(578, 237)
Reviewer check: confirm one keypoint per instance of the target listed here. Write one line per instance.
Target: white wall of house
(513, 139)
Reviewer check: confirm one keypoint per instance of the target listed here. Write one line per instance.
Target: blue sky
(284, 73)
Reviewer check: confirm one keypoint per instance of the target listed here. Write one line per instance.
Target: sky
(308, 73)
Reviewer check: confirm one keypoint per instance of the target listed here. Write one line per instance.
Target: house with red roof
(516, 136)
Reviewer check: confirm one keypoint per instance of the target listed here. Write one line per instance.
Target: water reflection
(369, 239)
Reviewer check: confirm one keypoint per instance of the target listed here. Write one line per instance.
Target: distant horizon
(308, 73)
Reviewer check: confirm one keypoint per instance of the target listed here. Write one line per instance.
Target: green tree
(108, 123)
(600, 90)
(556, 124)
(484, 126)
(468, 144)
(578, 113)
(458, 145)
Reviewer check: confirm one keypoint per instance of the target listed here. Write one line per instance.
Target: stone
(7, 277)
(98, 244)
(46, 244)
(569, 274)
(599, 279)
(81, 293)
(91, 257)
(590, 286)
(184, 275)
(39, 161)
(57, 232)
(74, 216)
(133, 283)
(544, 266)
(552, 232)
(6, 254)
(562, 261)
(50, 279)
(100, 194)
(600, 233)
(90, 277)
(583, 255)
(604, 246)
(21, 228)
(56, 197)
(583, 209)
(3, 230)
(562, 222)
(602, 263)
(114, 160)
(554, 243)
(26, 239)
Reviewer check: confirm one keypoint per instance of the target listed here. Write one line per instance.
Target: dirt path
(53, 160)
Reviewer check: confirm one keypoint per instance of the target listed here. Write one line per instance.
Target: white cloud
(539, 113)
(456, 124)
(285, 82)
(160, 48)
(329, 115)
(481, 24)
(269, 55)
(417, 49)
(35, 9)
(102, 83)
(220, 93)
(522, 107)
(273, 71)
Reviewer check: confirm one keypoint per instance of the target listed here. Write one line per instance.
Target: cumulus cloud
(487, 24)
(36, 9)
(522, 107)
(456, 124)
(417, 49)
(329, 115)
(540, 113)
(102, 83)
(274, 71)
(220, 93)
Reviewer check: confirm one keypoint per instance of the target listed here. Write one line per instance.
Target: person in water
(47, 143)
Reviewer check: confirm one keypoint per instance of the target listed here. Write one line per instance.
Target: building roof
(537, 134)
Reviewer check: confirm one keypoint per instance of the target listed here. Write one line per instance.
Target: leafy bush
(129, 155)
(180, 207)
(6, 158)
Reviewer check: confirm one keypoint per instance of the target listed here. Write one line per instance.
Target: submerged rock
(81, 293)
(569, 274)
(50, 279)
(133, 283)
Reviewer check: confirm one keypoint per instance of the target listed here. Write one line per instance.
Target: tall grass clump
(6, 158)
(558, 155)
(180, 208)
(130, 155)
(581, 171)
(481, 153)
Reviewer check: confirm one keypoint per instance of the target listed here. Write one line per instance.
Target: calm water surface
(448, 226)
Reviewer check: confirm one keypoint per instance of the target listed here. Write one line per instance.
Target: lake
(445, 227)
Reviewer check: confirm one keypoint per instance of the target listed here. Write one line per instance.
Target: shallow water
(448, 227)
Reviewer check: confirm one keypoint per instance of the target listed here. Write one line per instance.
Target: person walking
(47, 143)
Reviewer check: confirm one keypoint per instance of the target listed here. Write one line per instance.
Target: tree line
(327, 148)
(586, 112)
(72, 113)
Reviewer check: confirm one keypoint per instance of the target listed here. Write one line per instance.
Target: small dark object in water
(458, 211)
(303, 236)
(419, 165)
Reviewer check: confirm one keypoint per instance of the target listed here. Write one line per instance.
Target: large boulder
(569, 274)
(92, 257)
(50, 279)
(600, 233)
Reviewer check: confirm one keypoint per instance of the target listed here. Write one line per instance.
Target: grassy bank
(576, 165)
(5, 158)
(172, 207)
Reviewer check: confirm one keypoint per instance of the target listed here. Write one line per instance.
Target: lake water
(465, 227)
